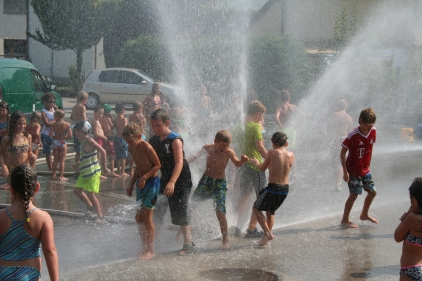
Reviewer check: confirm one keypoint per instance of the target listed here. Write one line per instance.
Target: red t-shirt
(360, 151)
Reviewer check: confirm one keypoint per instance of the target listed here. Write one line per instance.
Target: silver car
(119, 85)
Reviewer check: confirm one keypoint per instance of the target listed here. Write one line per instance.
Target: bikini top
(19, 148)
(414, 240)
(16, 244)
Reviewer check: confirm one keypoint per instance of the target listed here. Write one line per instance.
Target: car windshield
(146, 77)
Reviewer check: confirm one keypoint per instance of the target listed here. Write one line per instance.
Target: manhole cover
(229, 274)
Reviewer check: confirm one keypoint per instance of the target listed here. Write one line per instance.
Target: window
(109, 76)
(131, 78)
(39, 82)
(15, 48)
(15, 7)
(16, 80)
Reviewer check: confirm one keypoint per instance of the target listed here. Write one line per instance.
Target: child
(97, 130)
(88, 181)
(119, 143)
(356, 170)
(147, 185)
(176, 181)
(108, 144)
(78, 114)
(59, 131)
(15, 148)
(34, 129)
(25, 229)
(165, 104)
(409, 231)
(4, 118)
(213, 182)
(47, 114)
(138, 118)
(278, 161)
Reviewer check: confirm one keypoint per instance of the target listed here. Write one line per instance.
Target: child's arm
(236, 161)
(49, 248)
(264, 165)
(198, 154)
(261, 148)
(51, 133)
(343, 164)
(69, 131)
(277, 117)
(403, 228)
(177, 146)
(44, 119)
(37, 131)
(129, 189)
(156, 166)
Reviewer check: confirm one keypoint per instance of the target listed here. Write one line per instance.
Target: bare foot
(63, 179)
(225, 246)
(114, 175)
(103, 177)
(124, 174)
(264, 240)
(146, 256)
(349, 224)
(368, 218)
(265, 245)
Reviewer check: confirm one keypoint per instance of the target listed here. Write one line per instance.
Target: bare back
(280, 162)
(97, 129)
(287, 113)
(216, 161)
(119, 124)
(145, 158)
(61, 130)
(78, 113)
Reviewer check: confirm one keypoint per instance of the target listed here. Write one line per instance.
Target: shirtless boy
(138, 118)
(78, 114)
(59, 131)
(108, 144)
(278, 161)
(147, 185)
(119, 143)
(356, 170)
(213, 182)
(97, 131)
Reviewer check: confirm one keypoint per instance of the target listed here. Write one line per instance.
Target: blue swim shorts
(148, 195)
(215, 189)
(357, 184)
(121, 148)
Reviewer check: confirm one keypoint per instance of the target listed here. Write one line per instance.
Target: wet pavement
(309, 243)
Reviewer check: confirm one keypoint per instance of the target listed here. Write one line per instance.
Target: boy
(78, 114)
(251, 179)
(119, 143)
(97, 130)
(108, 144)
(59, 131)
(176, 181)
(147, 185)
(356, 170)
(47, 117)
(138, 118)
(213, 182)
(278, 161)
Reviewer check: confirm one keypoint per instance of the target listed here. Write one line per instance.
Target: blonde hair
(132, 130)
(82, 95)
(36, 117)
(223, 136)
(59, 113)
(256, 107)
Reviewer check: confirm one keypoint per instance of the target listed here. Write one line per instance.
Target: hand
(129, 191)
(346, 177)
(244, 158)
(141, 182)
(169, 190)
(254, 161)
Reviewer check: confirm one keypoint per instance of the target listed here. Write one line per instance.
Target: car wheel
(93, 101)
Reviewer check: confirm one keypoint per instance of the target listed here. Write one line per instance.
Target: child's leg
(49, 158)
(95, 204)
(79, 192)
(112, 173)
(263, 223)
(224, 229)
(62, 156)
(270, 220)
(345, 221)
(366, 205)
(144, 216)
(55, 163)
(123, 167)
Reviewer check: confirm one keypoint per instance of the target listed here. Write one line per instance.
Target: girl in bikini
(410, 232)
(22, 230)
(15, 149)
(34, 129)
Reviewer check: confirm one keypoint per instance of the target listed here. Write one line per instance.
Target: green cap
(107, 108)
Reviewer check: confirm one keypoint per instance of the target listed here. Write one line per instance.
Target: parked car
(22, 86)
(114, 85)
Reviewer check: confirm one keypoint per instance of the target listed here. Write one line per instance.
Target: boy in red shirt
(356, 170)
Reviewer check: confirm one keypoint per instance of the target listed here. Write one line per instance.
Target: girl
(22, 231)
(4, 118)
(410, 231)
(34, 128)
(15, 149)
(47, 118)
(88, 181)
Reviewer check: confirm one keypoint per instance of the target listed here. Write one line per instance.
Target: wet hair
(223, 136)
(119, 107)
(368, 116)
(5, 105)
(14, 119)
(98, 107)
(47, 97)
(24, 181)
(82, 95)
(284, 96)
(59, 113)
(340, 105)
(137, 105)
(132, 130)
(256, 107)
(160, 115)
(36, 116)
(279, 139)
(415, 191)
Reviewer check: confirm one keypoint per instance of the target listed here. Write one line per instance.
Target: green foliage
(75, 80)
(344, 27)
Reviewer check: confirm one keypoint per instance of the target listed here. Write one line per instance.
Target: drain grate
(229, 274)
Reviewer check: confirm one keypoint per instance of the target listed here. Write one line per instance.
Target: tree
(75, 25)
